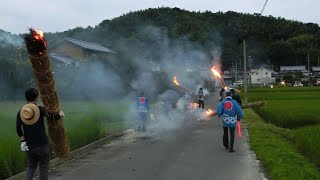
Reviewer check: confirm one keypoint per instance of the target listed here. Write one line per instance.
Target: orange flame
(209, 111)
(215, 72)
(38, 34)
(175, 81)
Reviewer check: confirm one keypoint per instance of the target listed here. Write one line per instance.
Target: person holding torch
(32, 133)
(229, 110)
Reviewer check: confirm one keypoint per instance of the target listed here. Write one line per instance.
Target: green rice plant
(85, 122)
(290, 114)
(307, 141)
(278, 156)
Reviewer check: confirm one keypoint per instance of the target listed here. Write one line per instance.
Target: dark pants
(226, 139)
(142, 122)
(201, 104)
(38, 155)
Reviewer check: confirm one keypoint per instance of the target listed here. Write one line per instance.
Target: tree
(281, 52)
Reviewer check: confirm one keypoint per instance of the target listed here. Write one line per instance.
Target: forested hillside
(135, 35)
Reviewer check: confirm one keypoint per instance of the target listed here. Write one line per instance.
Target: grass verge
(307, 141)
(279, 158)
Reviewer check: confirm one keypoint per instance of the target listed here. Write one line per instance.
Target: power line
(264, 6)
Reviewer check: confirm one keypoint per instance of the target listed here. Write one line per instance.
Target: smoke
(9, 39)
(145, 63)
(91, 81)
(157, 60)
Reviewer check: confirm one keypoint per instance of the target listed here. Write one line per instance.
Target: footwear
(231, 150)
(226, 147)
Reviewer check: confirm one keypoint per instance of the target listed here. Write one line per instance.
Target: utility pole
(308, 64)
(245, 79)
(236, 74)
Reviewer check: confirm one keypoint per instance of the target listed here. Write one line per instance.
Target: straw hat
(29, 114)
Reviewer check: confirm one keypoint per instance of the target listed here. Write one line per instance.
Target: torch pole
(42, 72)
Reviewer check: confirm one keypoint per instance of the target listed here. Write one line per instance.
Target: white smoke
(9, 39)
(182, 58)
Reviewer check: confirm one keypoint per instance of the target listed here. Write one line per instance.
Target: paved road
(193, 152)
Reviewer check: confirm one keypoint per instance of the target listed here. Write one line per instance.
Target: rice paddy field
(84, 122)
(290, 107)
(294, 110)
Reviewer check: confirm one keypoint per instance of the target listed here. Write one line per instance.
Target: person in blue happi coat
(143, 108)
(229, 110)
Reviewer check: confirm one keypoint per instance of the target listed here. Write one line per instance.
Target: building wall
(262, 76)
(69, 49)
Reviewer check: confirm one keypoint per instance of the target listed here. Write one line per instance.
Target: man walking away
(229, 110)
(143, 110)
(31, 130)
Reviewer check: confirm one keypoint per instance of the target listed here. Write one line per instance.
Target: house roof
(292, 68)
(65, 59)
(255, 70)
(86, 45)
(316, 68)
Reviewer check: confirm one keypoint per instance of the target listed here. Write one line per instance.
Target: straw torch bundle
(39, 59)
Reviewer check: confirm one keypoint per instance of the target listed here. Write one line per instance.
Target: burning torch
(37, 48)
(175, 82)
(219, 78)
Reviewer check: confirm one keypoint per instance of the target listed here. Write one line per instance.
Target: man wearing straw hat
(31, 130)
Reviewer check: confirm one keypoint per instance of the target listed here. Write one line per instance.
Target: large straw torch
(37, 48)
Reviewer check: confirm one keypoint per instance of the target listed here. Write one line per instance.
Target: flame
(215, 72)
(38, 34)
(175, 81)
(209, 111)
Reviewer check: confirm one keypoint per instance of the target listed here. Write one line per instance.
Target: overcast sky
(60, 15)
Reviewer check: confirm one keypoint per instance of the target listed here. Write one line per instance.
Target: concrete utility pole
(245, 79)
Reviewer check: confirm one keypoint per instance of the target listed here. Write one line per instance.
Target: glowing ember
(215, 72)
(175, 81)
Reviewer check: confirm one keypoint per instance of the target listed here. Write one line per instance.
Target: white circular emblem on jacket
(229, 119)
(142, 109)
